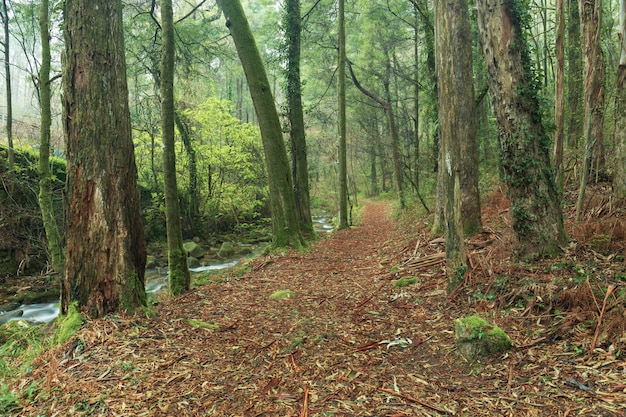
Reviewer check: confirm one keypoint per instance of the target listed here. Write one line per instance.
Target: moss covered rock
(476, 337)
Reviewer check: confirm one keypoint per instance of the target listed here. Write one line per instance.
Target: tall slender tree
(341, 115)
(593, 122)
(105, 251)
(297, 138)
(285, 224)
(179, 278)
(559, 103)
(55, 245)
(4, 14)
(524, 142)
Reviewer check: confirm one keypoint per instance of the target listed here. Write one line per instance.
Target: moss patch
(281, 294)
(476, 338)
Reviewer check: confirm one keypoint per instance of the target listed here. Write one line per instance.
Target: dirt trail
(227, 349)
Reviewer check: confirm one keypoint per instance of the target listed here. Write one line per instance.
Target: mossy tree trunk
(524, 142)
(105, 252)
(285, 224)
(193, 205)
(55, 244)
(456, 115)
(299, 163)
(179, 278)
(574, 77)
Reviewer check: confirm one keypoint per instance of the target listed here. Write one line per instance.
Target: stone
(151, 262)
(227, 249)
(193, 249)
(193, 262)
(476, 338)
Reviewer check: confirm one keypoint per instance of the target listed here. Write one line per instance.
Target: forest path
(349, 343)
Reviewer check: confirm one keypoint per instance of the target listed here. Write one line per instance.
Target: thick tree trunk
(574, 77)
(524, 143)
(619, 182)
(456, 105)
(53, 236)
(179, 278)
(300, 168)
(285, 225)
(105, 253)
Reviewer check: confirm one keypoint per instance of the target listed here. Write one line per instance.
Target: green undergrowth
(22, 342)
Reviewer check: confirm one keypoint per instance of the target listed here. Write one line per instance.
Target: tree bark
(299, 163)
(179, 278)
(574, 77)
(619, 182)
(524, 143)
(53, 236)
(285, 225)
(105, 252)
(593, 162)
(456, 90)
(559, 93)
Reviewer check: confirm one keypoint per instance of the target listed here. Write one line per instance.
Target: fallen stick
(397, 394)
(305, 403)
(609, 290)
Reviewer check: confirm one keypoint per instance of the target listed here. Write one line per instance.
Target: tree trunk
(285, 225)
(300, 169)
(105, 252)
(454, 77)
(7, 75)
(559, 102)
(574, 77)
(524, 143)
(619, 183)
(341, 115)
(393, 131)
(178, 275)
(593, 162)
(53, 236)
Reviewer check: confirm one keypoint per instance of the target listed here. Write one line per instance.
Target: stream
(156, 280)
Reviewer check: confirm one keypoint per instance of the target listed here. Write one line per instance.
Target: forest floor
(340, 346)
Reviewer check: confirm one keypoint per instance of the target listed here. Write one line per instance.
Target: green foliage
(8, 401)
(404, 282)
(281, 294)
(202, 324)
(232, 158)
(67, 324)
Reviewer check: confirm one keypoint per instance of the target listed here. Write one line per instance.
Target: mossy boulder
(193, 249)
(227, 249)
(476, 338)
(152, 262)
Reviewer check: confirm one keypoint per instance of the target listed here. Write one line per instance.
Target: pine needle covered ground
(349, 339)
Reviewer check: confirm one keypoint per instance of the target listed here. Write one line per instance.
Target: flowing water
(156, 280)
